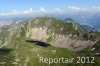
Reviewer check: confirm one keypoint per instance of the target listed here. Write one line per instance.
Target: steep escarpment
(57, 33)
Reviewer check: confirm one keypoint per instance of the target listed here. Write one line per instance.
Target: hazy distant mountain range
(91, 20)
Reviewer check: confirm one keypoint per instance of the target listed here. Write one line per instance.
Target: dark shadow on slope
(39, 43)
(4, 51)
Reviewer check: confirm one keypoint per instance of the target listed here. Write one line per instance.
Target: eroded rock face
(39, 30)
(58, 40)
(74, 44)
(38, 33)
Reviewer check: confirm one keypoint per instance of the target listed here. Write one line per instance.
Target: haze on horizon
(41, 7)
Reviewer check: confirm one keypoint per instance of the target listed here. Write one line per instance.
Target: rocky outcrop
(74, 42)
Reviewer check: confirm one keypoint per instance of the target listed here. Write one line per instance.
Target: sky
(20, 7)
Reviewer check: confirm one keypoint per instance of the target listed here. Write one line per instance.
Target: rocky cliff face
(57, 35)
